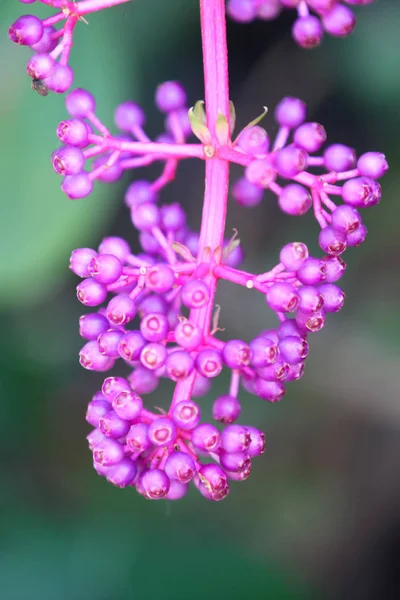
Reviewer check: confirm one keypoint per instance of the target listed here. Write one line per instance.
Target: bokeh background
(320, 515)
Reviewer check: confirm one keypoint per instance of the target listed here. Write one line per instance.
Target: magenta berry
(186, 414)
(27, 30)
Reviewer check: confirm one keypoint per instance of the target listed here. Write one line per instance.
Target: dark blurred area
(320, 515)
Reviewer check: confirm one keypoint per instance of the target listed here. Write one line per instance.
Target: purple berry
(310, 321)
(77, 186)
(160, 278)
(60, 78)
(131, 345)
(282, 297)
(154, 327)
(112, 426)
(235, 462)
(39, 66)
(295, 200)
(143, 381)
(214, 480)
(293, 255)
(180, 466)
(80, 103)
(260, 172)
(108, 342)
(188, 335)
(290, 161)
(242, 11)
(332, 241)
(177, 490)
(209, 363)
(290, 112)
(116, 246)
(339, 158)
(154, 484)
(47, 42)
(73, 132)
(310, 136)
(80, 259)
(108, 452)
(264, 352)
(91, 293)
(310, 299)
(312, 271)
(335, 265)
(254, 140)
(272, 391)
(170, 96)
(153, 356)
(92, 325)
(145, 216)
(137, 438)
(356, 238)
(333, 297)
(140, 192)
(346, 219)
(68, 160)
(105, 268)
(27, 30)
(236, 354)
(129, 115)
(257, 444)
(276, 372)
(195, 294)
(122, 474)
(162, 431)
(121, 309)
(308, 31)
(95, 410)
(340, 21)
(226, 409)
(361, 192)
(186, 414)
(235, 438)
(127, 404)
(247, 194)
(372, 164)
(206, 437)
(114, 385)
(293, 349)
(179, 365)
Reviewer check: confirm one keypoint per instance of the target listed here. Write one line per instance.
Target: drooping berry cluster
(155, 309)
(330, 16)
(165, 286)
(50, 44)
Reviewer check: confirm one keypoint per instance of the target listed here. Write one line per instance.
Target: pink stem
(88, 6)
(68, 39)
(215, 61)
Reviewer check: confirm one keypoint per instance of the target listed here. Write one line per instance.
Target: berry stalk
(216, 85)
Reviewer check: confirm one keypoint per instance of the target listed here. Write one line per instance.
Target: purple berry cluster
(51, 44)
(151, 321)
(155, 310)
(330, 16)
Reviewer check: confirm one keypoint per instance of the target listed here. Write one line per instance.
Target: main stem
(216, 84)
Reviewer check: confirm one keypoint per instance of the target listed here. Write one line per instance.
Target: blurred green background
(320, 516)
